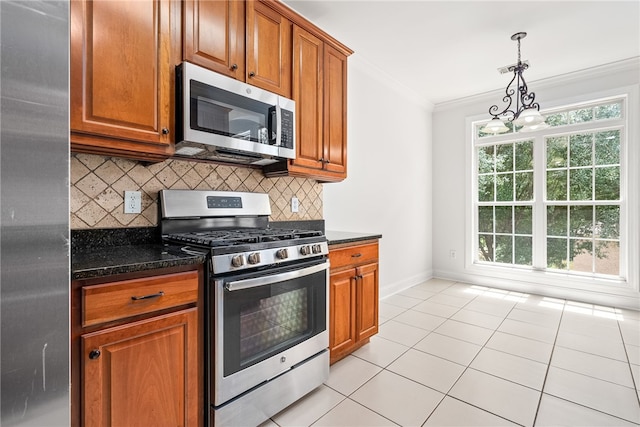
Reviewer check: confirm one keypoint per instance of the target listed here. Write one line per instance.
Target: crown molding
(630, 64)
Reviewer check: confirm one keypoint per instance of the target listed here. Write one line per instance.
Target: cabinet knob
(252, 74)
(165, 131)
(94, 354)
(234, 67)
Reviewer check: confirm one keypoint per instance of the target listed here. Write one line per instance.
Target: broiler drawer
(353, 255)
(126, 298)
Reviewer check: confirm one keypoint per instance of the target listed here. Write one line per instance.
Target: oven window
(271, 321)
(263, 321)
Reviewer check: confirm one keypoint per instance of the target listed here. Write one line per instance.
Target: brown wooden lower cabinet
(136, 357)
(142, 373)
(353, 296)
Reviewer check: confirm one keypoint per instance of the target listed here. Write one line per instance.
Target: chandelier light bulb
(494, 126)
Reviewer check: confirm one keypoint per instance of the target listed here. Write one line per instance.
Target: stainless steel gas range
(266, 302)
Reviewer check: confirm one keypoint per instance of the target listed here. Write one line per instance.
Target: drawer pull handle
(356, 255)
(159, 294)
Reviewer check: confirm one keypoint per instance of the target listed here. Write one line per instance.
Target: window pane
(607, 258)
(557, 152)
(580, 185)
(504, 222)
(504, 249)
(580, 149)
(557, 185)
(504, 187)
(557, 119)
(485, 159)
(557, 253)
(523, 250)
(581, 116)
(557, 221)
(607, 222)
(485, 188)
(524, 186)
(608, 148)
(581, 252)
(485, 247)
(608, 183)
(581, 221)
(485, 219)
(611, 111)
(522, 219)
(504, 158)
(524, 155)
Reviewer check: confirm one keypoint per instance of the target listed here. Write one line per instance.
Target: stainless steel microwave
(219, 118)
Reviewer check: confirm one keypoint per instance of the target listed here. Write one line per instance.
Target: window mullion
(539, 205)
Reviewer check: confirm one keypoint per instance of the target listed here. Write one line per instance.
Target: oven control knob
(305, 250)
(254, 258)
(237, 261)
(316, 249)
(282, 253)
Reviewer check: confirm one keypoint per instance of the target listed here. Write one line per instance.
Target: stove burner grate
(223, 238)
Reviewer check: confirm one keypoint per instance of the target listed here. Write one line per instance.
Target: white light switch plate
(132, 202)
(295, 204)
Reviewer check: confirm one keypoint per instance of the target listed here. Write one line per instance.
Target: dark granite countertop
(336, 237)
(107, 261)
(105, 252)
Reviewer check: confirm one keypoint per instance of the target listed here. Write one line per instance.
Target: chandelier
(525, 112)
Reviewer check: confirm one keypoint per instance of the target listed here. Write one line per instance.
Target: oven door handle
(239, 285)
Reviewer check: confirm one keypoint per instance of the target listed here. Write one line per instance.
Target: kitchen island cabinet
(137, 348)
(353, 296)
(122, 65)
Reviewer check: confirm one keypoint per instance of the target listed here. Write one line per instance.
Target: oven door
(264, 324)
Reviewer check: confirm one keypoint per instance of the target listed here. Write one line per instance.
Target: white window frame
(629, 205)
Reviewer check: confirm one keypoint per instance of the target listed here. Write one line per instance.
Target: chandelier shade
(521, 107)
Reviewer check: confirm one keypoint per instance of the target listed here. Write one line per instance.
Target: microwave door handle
(278, 124)
(239, 285)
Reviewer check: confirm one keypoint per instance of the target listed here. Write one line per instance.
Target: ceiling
(446, 50)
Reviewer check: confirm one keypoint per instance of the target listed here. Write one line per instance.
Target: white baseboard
(619, 299)
(393, 288)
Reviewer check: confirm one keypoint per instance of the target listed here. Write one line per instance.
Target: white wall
(450, 173)
(388, 188)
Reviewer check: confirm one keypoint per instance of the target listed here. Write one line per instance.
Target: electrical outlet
(452, 254)
(295, 204)
(132, 202)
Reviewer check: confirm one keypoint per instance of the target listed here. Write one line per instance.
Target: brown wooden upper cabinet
(320, 92)
(122, 63)
(246, 40)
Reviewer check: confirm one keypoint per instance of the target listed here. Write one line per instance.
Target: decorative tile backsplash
(98, 184)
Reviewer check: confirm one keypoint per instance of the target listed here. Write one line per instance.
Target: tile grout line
(546, 374)
(626, 353)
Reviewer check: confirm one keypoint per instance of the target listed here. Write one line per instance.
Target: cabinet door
(308, 53)
(122, 60)
(146, 373)
(342, 324)
(268, 49)
(214, 35)
(367, 303)
(335, 111)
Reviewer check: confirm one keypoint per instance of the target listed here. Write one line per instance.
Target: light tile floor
(450, 354)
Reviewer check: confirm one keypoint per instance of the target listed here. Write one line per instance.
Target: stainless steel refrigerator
(34, 202)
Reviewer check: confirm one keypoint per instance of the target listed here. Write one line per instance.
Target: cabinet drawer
(118, 300)
(353, 255)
